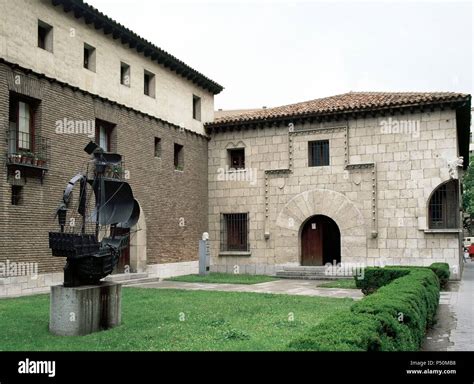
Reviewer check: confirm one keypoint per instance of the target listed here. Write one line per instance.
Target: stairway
(307, 273)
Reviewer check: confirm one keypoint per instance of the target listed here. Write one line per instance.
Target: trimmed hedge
(394, 318)
(376, 277)
(442, 271)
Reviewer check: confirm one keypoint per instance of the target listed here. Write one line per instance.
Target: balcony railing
(28, 150)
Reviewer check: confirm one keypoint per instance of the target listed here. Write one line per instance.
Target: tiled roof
(109, 26)
(347, 102)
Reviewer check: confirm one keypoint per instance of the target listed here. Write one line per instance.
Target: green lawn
(163, 320)
(342, 283)
(224, 278)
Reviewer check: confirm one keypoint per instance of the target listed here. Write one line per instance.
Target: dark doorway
(320, 241)
(123, 265)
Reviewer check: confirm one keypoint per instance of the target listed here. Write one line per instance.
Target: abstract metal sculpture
(105, 203)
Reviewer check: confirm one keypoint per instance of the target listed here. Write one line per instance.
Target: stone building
(68, 75)
(366, 178)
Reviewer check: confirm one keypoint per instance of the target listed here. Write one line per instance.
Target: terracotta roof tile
(347, 102)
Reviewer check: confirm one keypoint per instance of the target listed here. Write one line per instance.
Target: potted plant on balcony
(40, 160)
(27, 157)
(14, 158)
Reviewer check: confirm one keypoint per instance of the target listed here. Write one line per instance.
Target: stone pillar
(83, 310)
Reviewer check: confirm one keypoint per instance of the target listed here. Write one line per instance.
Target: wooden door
(312, 243)
(123, 265)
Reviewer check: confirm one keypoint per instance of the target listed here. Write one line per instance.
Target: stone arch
(138, 255)
(332, 204)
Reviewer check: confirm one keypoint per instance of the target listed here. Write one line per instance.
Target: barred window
(234, 232)
(237, 158)
(318, 153)
(444, 207)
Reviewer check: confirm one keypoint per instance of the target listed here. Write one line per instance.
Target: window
(125, 74)
(17, 194)
(178, 157)
(89, 57)
(22, 112)
(237, 158)
(45, 36)
(443, 207)
(103, 134)
(234, 232)
(196, 108)
(318, 153)
(149, 84)
(158, 147)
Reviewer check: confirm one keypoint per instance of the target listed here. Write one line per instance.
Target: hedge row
(442, 271)
(394, 318)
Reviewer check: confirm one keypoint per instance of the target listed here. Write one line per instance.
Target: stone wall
(376, 188)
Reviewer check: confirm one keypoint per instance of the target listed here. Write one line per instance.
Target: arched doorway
(320, 241)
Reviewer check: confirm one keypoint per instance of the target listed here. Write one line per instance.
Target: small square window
(89, 57)
(149, 84)
(157, 147)
(196, 108)
(237, 158)
(178, 157)
(125, 74)
(17, 194)
(45, 36)
(318, 153)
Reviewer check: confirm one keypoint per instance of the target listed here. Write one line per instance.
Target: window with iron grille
(234, 232)
(443, 207)
(237, 158)
(318, 153)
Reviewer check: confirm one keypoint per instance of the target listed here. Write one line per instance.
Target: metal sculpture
(105, 203)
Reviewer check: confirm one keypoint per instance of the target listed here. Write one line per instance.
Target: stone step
(307, 273)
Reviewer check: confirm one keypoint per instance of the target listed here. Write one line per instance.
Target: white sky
(269, 53)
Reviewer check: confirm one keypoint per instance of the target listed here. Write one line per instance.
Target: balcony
(29, 154)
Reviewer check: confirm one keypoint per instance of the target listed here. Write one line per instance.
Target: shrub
(394, 318)
(343, 331)
(375, 277)
(411, 300)
(442, 271)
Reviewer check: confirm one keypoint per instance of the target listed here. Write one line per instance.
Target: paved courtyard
(284, 286)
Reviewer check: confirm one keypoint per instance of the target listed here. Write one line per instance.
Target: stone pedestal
(84, 310)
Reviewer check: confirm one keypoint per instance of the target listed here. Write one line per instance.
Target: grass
(224, 278)
(342, 283)
(166, 320)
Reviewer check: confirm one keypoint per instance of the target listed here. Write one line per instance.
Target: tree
(468, 194)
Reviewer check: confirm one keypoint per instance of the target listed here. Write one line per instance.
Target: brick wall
(165, 195)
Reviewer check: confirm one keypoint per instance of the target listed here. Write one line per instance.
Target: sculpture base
(83, 310)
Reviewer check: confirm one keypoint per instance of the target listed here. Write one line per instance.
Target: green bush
(442, 271)
(343, 331)
(376, 277)
(393, 318)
